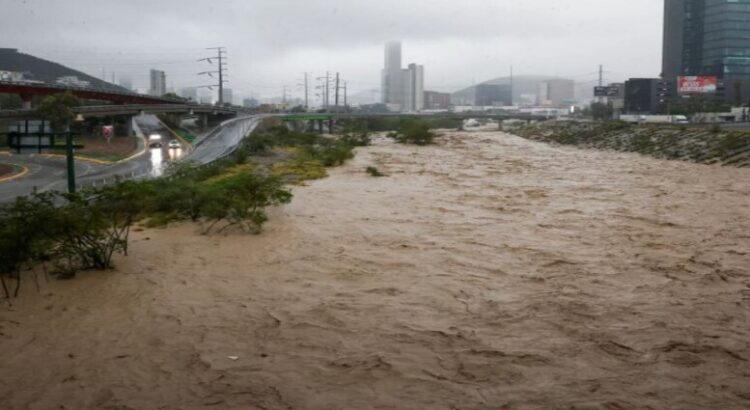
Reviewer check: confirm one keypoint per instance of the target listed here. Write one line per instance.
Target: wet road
(223, 140)
(49, 173)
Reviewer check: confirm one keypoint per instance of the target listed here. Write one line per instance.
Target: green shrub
(414, 132)
(26, 235)
(241, 200)
(374, 172)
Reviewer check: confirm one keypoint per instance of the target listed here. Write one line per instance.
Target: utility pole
(328, 81)
(324, 88)
(345, 105)
(337, 90)
(601, 81)
(511, 85)
(221, 71)
(306, 102)
(306, 85)
(70, 162)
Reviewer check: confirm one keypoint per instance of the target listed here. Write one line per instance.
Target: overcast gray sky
(272, 42)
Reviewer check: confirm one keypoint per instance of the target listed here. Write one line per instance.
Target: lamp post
(70, 159)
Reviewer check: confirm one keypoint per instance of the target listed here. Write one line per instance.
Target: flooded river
(486, 272)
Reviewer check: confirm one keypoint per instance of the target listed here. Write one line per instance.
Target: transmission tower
(221, 57)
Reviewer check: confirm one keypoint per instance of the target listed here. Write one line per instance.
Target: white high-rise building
(401, 89)
(413, 88)
(158, 83)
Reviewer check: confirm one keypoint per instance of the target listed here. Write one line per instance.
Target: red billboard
(696, 84)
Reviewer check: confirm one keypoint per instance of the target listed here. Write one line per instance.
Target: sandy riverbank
(488, 272)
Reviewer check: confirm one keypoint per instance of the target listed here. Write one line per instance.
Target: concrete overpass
(131, 109)
(26, 90)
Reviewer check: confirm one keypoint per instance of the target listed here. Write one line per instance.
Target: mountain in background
(37, 69)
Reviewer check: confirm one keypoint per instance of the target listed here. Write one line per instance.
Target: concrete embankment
(701, 145)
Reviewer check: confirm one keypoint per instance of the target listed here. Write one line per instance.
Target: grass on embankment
(707, 146)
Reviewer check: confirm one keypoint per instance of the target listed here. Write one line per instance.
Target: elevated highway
(130, 110)
(28, 89)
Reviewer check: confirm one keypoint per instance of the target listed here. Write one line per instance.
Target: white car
(154, 140)
(173, 144)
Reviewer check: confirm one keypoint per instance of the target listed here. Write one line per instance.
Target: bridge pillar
(330, 126)
(203, 121)
(129, 126)
(320, 126)
(500, 124)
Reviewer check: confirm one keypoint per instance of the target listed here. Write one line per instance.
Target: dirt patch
(118, 147)
(487, 272)
(98, 148)
(7, 170)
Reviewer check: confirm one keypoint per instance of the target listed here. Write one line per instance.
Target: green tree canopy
(58, 110)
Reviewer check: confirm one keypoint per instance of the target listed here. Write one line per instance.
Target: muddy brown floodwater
(487, 272)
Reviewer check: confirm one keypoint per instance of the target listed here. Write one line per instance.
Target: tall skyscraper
(709, 38)
(392, 77)
(393, 55)
(158, 83)
(401, 89)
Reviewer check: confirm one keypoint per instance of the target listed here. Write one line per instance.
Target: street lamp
(70, 159)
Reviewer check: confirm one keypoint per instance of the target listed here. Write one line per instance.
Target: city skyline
(460, 45)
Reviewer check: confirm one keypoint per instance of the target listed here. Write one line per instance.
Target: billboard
(696, 84)
(601, 91)
(608, 91)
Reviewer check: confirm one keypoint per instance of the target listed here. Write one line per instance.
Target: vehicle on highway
(154, 141)
(174, 144)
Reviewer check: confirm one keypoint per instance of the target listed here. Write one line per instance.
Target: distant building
(708, 38)
(557, 92)
(10, 76)
(157, 83)
(205, 96)
(190, 93)
(401, 89)
(250, 103)
(493, 94)
(617, 96)
(227, 96)
(413, 88)
(72, 81)
(642, 95)
(434, 100)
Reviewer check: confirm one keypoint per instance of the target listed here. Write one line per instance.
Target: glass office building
(712, 38)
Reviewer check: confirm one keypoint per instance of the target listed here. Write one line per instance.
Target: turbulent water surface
(487, 272)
